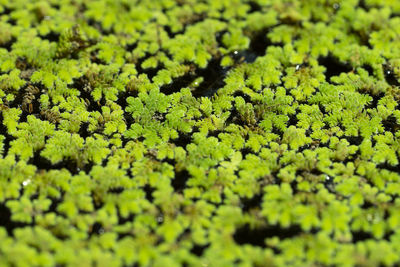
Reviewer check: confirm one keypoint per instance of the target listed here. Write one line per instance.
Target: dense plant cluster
(199, 133)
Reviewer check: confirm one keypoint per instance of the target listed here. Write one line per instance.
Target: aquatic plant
(199, 133)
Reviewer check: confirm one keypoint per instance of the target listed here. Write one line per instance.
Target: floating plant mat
(199, 133)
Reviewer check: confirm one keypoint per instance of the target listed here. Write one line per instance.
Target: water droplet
(26, 182)
(388, 72)
(297, 67)
(101, 231)
(336, 6)
(235, 52)
(160, 218)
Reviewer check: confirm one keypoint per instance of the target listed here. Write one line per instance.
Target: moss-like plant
(199, 133)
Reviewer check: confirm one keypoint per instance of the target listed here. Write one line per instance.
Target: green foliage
(199, 133)
(71, 146)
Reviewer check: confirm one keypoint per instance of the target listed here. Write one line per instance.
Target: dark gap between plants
(6, 11)
(94, 59)
(251, 203)
(149, 192)
(354, 140)
(254, 7)
(179, 181)
(12, 21)
(246, 151)
(69, 164)
(219, 35)
(294, 186)
(7, 222)
(362, 4)
(8, 138)
(367, 204)
(183, 139)
(213, 79)
(258, 45)
(333, 66)
(388, 235)
(127, 116)
(214, 133)
(256, 237)
(96, 229)
(390, 124)
(360, 236)
(177, 84)
(198, 250)
(293, 120)
(369, 69)
(214, 75)
(9, 44)
(84, 130)
(240, 93)
(51, 37)
(83, 86)
(375, 99)
(55, 5)
(126, 6)
(391, 78)
(97, 25)
(315, 171)
(132, 46)
(277, 132)
(233, 116)
(363, 37)
(54, 204)
(97, 198)
(169, 32)
(150, 72)
(122, 221)
(386, 166)
(116, 190)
